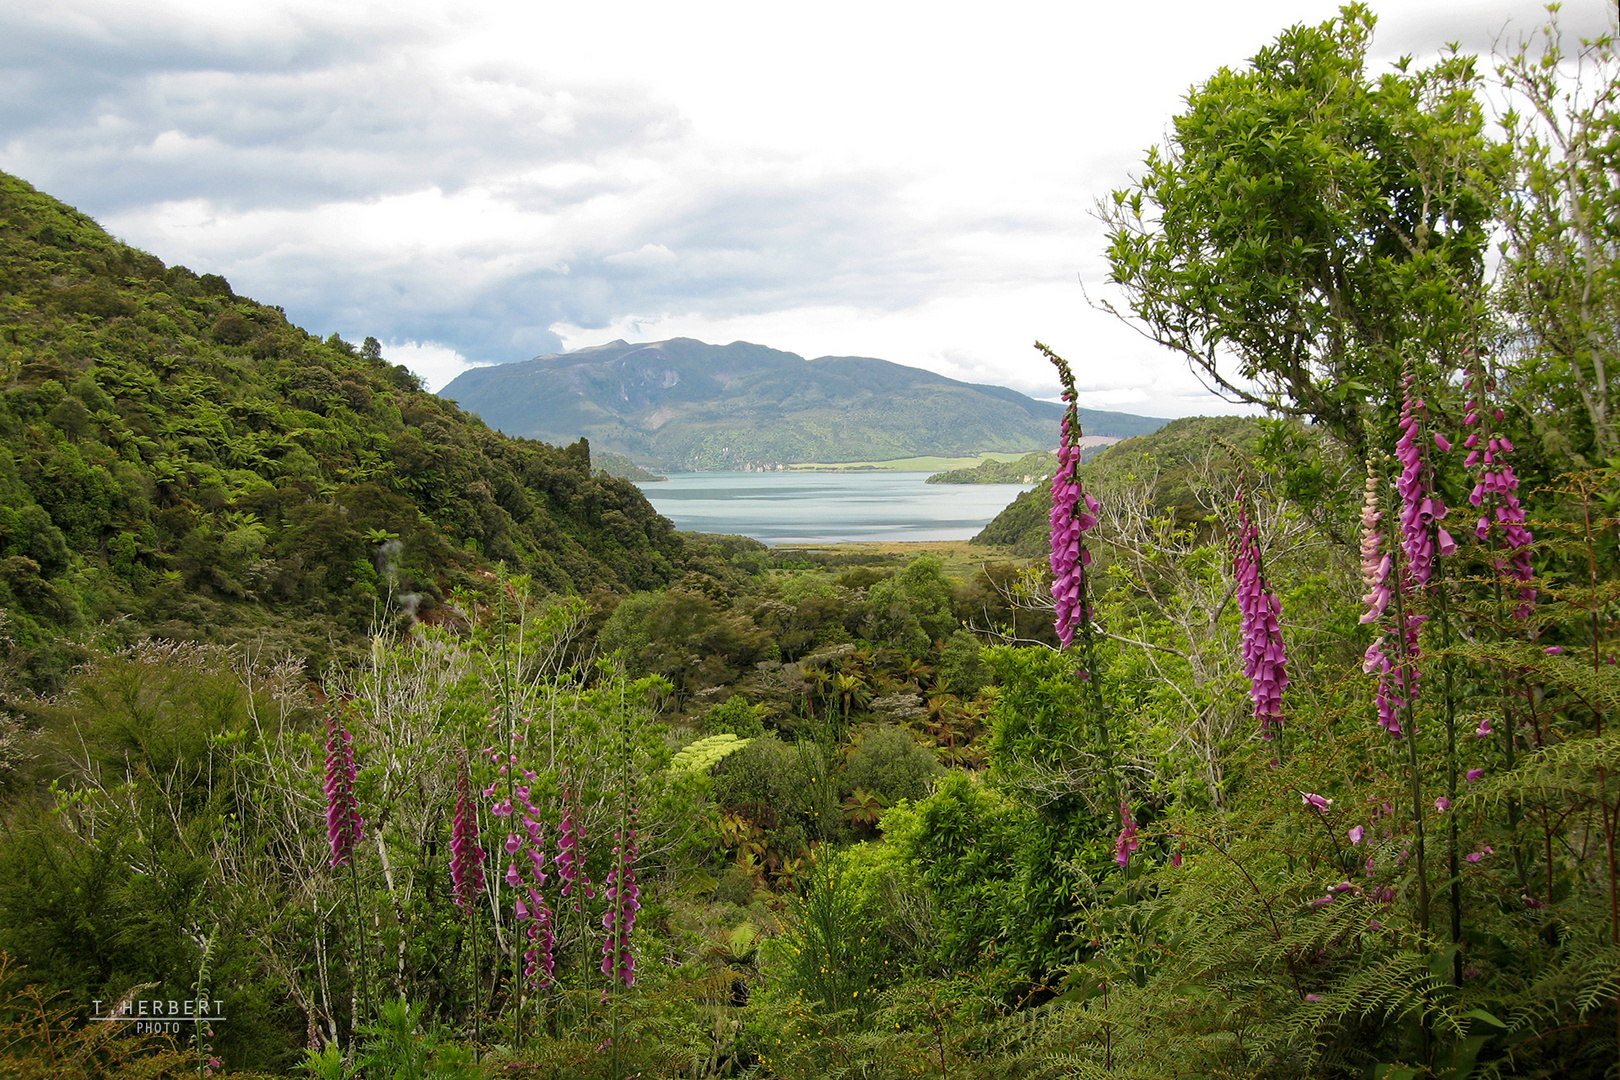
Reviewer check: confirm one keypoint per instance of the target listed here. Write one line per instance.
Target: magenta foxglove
(1264, 660)
(344, 826)
(623, 901)
(466, 853)
(1073, 515)
(1496, 493)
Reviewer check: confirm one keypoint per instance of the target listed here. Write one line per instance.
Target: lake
(828, 508)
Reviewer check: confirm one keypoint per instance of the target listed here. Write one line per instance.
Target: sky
(477, 183)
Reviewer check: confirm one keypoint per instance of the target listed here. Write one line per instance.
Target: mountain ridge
(686, 405)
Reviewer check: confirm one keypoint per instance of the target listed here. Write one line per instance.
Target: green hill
(1173, 453)
(178, 459)
(685, 405)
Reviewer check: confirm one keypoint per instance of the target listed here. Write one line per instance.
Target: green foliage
(735, 716)
(1328, 903)
(913, 608)
(396, 1048)
(706, 753)
(888, 763)
(963, 840)
(1561, 262)
(962, 671)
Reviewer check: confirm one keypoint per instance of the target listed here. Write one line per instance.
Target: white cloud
(646, 256)
(436, 364)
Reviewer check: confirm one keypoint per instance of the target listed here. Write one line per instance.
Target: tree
(1307, 229)
(1562, 272)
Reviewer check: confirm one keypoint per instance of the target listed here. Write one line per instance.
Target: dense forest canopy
(182, 460)
(1322, 781)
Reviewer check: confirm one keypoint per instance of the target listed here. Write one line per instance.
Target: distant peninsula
(683, 405)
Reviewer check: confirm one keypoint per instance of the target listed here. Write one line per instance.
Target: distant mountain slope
(684, 404)
(178, 459)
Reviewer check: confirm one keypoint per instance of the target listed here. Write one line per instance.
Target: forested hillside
(1291, 753)
(181, 460)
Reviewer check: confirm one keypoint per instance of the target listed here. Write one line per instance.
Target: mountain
(180, 460)
(683, 405)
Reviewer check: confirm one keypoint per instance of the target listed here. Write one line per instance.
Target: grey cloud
(738, 249)
(325, 112)
(1481, 29)
(317, 113)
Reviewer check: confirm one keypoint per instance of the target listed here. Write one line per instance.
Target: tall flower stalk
(623, 901)
(344, 829)
(1074, 513)
(344, 825)
(1496, 489)
(1421, 540)
(466, 853)
(1265, 661)
(1377, 575)
(467, 871)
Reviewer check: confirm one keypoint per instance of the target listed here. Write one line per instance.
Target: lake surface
(828, 508)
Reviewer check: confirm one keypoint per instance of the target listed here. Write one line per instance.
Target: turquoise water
(826, 508)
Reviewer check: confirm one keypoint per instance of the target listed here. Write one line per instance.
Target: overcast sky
(478, 183)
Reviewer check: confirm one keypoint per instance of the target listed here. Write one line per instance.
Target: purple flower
(466, 853)
(1473, 775)
(570, 862)
(1316, 802)
(1264, 660)
(539, 959)
(1126, 842)
(1073, 515)
(1356, 833)
(1422, 538)
(1553, 650)
(624, 900)
(1376, 568)
(1420, 507)
(1442, 804)
(344, 826)
(1313, 997)
(1496, 490)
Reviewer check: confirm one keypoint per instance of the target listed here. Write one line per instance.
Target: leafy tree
(888, 763)
(1562, 280)
(1308, 228)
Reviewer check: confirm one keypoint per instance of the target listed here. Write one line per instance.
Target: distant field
(961, 559)
(909, 464)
